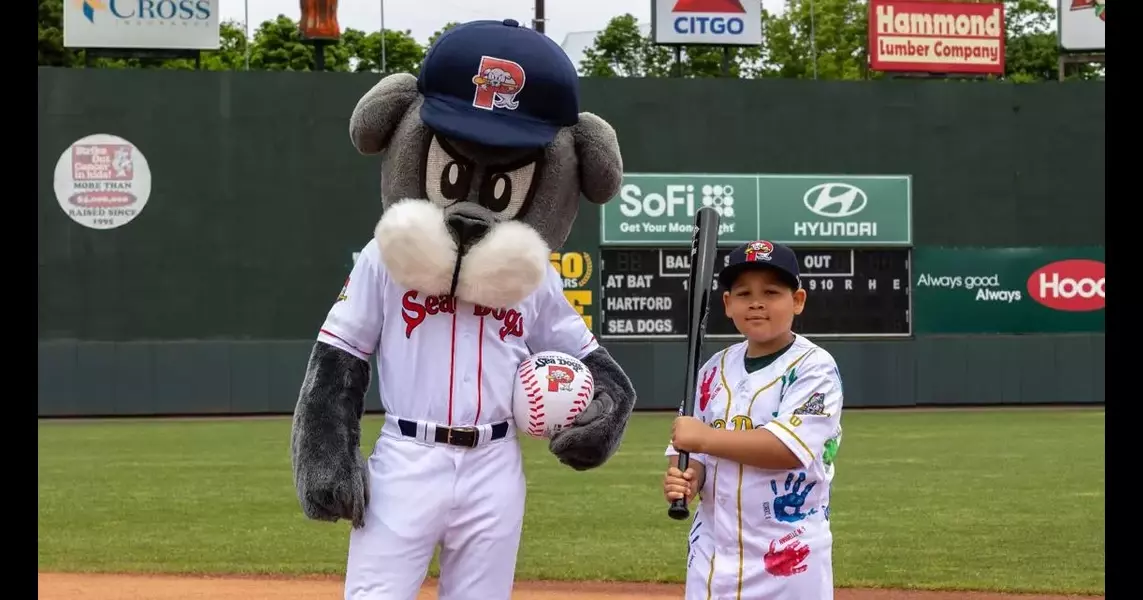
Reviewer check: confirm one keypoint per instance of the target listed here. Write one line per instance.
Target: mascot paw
(593, 436)
(338, 490)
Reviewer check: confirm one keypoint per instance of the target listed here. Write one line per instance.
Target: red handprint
(704, 389)
(787, 561)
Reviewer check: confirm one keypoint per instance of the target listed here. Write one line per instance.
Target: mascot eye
(496, 192)
(506, 193)
(447, 176)
(454, 181)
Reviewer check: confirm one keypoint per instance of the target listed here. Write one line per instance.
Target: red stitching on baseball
(535, 400)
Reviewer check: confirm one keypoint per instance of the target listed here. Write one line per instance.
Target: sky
(423, 17)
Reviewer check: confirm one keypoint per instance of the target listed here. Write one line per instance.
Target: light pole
(813, 40)
(384, 67)
(246, 40)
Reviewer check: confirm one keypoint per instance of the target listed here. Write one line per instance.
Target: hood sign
(1075, 285)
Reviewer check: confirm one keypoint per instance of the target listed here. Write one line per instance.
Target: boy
(766, 428)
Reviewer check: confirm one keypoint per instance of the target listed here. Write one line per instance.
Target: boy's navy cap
(757, 255)
(498, 84)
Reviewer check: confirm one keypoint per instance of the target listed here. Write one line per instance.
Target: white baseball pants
(470, 501)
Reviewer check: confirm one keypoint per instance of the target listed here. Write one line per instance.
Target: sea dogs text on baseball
(543, 361)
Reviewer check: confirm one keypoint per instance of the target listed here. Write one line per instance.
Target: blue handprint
(788, 506)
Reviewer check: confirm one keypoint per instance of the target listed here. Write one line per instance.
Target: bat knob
(678, 510)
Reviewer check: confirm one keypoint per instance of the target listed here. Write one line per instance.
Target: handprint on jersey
(788, 506)
(786, 561)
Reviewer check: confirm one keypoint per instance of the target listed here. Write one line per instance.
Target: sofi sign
(712, 22)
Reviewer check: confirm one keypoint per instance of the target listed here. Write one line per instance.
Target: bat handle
(678, 509)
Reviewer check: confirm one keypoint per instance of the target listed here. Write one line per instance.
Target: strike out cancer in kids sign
(102, 181)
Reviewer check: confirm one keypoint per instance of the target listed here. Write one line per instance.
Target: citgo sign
(698, 22)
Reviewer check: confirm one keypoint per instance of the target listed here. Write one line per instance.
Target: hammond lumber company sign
(936, 37)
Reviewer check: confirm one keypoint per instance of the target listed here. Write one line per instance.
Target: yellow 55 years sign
(575, 269)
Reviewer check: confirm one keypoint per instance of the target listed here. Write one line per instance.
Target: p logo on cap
(497, 82)
(759, 250)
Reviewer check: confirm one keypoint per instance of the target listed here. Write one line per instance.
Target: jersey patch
(814, 406)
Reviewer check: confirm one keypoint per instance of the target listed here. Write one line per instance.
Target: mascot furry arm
(490, 235)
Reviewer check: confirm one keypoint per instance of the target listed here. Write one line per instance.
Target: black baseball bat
(704, 243)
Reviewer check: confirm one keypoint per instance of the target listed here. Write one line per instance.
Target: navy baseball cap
(499, 84)
(761, 254)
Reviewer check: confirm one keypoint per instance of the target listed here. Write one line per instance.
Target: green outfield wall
(195, 281)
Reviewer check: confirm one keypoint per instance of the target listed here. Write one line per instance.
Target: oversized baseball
(551, 389)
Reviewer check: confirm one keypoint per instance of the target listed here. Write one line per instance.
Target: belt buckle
(471, 430)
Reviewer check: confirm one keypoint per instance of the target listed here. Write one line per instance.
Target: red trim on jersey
(345, 341)
(451, 368)
(589, 342)
(479, 369)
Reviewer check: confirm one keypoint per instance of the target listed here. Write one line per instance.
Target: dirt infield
(69, 586)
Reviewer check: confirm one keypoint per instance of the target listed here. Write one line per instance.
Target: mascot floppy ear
(600, 163)
(379, 112)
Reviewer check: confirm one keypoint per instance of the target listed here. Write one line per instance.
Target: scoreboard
(850, 292)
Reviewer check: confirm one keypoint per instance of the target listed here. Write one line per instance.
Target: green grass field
(999, 500)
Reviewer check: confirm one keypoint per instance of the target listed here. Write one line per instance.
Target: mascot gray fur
(484, 160)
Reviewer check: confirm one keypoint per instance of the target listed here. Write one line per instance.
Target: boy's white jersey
(762, 533)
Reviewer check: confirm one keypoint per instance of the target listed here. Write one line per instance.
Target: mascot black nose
(468, 230)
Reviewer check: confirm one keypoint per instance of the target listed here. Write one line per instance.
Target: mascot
(485, 159)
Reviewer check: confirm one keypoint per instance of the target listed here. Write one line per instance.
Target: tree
(439, 32)
(402, 53)
(278, 46)
(1031, 49)
(834, 35)
(52, 51)
(620, 50)
(231, 53)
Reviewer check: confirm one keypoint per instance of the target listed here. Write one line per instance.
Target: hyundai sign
(711, 22)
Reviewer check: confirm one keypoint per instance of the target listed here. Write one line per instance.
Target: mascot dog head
(485, 156)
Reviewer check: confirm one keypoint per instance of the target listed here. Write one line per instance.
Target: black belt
(466, 437)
